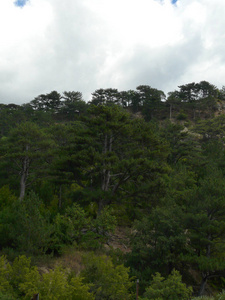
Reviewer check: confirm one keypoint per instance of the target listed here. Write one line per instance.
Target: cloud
(84, 45)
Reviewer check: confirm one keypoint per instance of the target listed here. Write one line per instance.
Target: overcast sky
(84, 45)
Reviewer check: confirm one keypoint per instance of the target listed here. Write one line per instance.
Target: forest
(120, 197)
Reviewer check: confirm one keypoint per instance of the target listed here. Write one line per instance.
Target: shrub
(5, 273)
(181, 116)
(22, 281)
(22, 226)
(33, 229)
(7, 198)
(68, 227)
(108, 281)
(105, 222)
(170, 288)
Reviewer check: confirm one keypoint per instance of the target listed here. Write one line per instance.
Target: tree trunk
(203, 284)
(100, 206)
(171, 112)
(22, 186)
(24, 176)
(205, 275)
(106, 173)
(60, 197)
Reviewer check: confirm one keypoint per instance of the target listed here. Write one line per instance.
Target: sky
(85, 45)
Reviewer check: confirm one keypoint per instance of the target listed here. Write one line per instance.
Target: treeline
(71, 172)
(192, 101)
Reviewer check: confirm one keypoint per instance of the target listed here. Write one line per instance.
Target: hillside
(94, 196)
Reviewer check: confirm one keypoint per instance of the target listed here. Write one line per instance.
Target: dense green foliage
(73, 172)
(170, 288)
(23, 280)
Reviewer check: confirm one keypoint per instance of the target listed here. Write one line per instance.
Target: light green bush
(168, 288)
(5, 274)
(108, 281)
(22, 281)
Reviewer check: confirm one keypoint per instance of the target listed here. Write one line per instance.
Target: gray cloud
(86, 45)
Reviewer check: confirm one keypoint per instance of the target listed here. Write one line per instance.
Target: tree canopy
(74, 173)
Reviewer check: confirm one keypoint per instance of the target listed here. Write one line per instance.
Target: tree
(10, 116)
(72, 97)
(21, 280)
(206, 90)
(7, 198)
(157, 242)
(107, 280)
(25, 226)
(168, 288)
(174, 101)
(79, 290)
(5, 274)
(221, 93)
(125, 98)
(131, 99)
(67, 228)
(184, 146)
(56, 284)
(70, 157)
(113, 155)
(205, 223)
(212, 129)
(72, 106)
(46, 102)
(105, 97)
(25, 150)
(151, 100)
(207, 97)
(188, 92)
(198, 97)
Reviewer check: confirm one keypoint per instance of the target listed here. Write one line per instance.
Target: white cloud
(84, 45)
